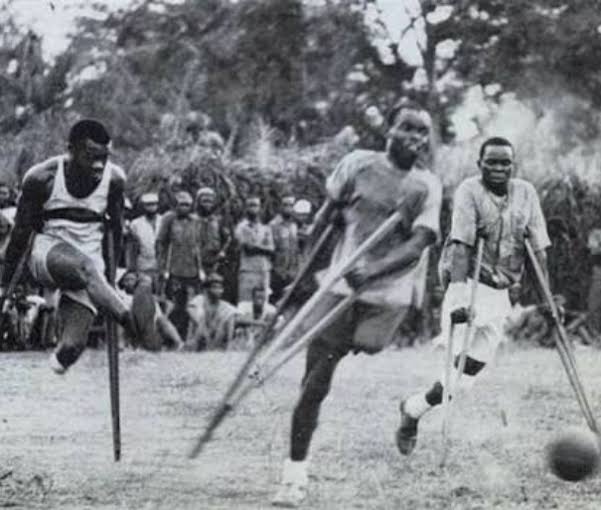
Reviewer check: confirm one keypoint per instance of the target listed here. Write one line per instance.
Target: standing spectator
(5, 228)
(143, 231)
(213, 318)
(256, 250)
(179, 260)
(253, 317)
(7, 205)
(286, 257)
(302, 213)
(594, 294)
(214, 236)
(128, 216)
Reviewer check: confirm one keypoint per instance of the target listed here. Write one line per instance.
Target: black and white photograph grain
(313, 254)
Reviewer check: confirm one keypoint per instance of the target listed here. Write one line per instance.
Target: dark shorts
(363, 327)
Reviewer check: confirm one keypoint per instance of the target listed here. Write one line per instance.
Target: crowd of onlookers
(215, 281)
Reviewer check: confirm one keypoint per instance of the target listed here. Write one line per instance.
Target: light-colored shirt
(504, 221)
(144, 235)
(285, 238)
(369, 188)
(85, 236)
(254, 234)
(178, 246)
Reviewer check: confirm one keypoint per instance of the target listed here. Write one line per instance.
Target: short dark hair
(495, 140)
(89, 128)
(402, 104)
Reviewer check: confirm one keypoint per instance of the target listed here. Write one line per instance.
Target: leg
(74, 321)
(72, 270)
(320, 366)
(321, 363)
(419, 404)
(169, 335)
(178, 316)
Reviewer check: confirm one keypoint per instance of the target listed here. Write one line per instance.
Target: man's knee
(322, 363)
(71, 270)
(472, 365)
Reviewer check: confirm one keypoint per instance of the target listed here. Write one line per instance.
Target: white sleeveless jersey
(86, 237)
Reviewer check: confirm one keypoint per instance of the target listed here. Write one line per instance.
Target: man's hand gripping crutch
(459, 316)
(562, 341)
(238, 390)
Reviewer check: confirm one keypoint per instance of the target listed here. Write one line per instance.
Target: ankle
(416, 406)
(295, 471)
(67, 355)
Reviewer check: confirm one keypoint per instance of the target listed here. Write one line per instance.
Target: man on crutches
(366, 187)
(498, 211)
(65, 202)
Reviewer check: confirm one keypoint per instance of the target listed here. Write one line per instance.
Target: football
(574, 455)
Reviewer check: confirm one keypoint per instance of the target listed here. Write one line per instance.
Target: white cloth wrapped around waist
(492, 308)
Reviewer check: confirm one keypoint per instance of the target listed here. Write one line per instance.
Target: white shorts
(492, 308)
(42, 245)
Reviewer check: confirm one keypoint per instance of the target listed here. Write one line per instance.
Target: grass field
(56, 441)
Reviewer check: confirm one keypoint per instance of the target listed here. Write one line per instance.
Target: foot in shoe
(406, 435)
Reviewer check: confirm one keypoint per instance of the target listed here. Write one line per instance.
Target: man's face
(183, 208)
(496, 165)
(288, 207)
(258, 297)
(302, 218)
(4, 195)
(129, 283)
(151, 207)
(216, 290)
(90, 157)
(408, 136)
(206, 202)
(253, 207)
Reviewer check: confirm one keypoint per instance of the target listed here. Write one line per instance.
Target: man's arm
(115, 207)
(541, 257)
(250, 247)
(132, 250)
(162, 241)
(35, 192)
(401, 258)
(460, 262)
(226, 238)
(536, 231)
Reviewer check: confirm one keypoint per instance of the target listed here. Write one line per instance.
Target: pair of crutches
(562, 342)
(281, 351)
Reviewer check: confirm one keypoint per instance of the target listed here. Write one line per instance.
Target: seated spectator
(22, 324)
(253, 316)
(212, 319)
(166, 333)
